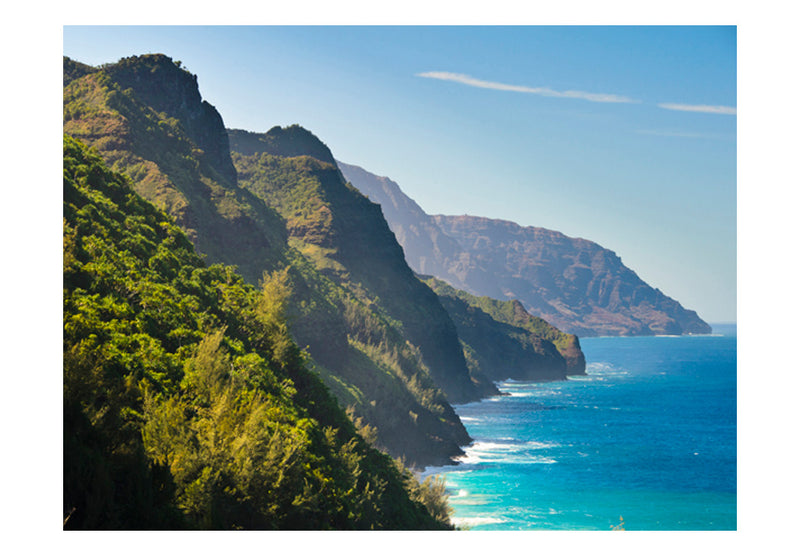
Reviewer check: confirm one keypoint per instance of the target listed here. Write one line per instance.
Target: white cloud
(705, 108)
(543, 91)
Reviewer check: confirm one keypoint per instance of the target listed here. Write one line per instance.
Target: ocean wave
(523, 394)
(600, 370)
(506, 452)
(476, 520)
(490, 445)
(465, 498)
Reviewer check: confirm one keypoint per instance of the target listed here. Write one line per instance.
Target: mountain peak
(290, 141)
(162, 84)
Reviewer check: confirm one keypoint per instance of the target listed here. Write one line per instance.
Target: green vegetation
(496, 349)
(513, 314)
(212, 396)
(379, 339)
(371, 369)
(186, 402)
(349, 242)
(141, 115)
(156, 130)
(286, 142)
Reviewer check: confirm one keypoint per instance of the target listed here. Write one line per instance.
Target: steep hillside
(427, 249)
(574, 284)
(186, 403)
(347, 238)
(532, 348)
(146, 118)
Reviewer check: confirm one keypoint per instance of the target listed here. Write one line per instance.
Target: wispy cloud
(705, 108)
(542, 91)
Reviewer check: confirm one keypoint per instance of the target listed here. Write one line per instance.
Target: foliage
(513, 314)
(358, 345)
(371, 368)
(498, 351)
(141, 113)
(285, 142)
(349, 242)
(186, 404)
(145, 117)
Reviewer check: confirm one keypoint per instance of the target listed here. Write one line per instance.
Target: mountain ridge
(353, 245)
(573, 283)
(379, 338)
(380, 377)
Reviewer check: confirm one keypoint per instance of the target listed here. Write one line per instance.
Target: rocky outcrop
(159, 83)
(502, 340)
(146, 118)
(290, 141)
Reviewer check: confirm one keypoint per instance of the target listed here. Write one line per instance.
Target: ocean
(645, 441)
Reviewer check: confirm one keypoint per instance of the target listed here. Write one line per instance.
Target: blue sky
(626, 136)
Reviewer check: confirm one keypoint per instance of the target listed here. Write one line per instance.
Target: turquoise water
(649, 436)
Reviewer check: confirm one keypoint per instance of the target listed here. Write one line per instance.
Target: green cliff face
(275, 202)
(186, 402)
(145, 117)
(348, 240)
(504, 341)
(179, 165)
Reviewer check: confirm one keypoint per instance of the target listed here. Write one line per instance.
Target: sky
(623, 135)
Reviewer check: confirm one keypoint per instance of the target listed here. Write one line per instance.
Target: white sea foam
(507, 452)
(600, 371)
(476, 520)
(465, 498)
(523, 394)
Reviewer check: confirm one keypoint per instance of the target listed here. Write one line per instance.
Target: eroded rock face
(146, 118)
(574, 284)
(348, 237)
(158, 82)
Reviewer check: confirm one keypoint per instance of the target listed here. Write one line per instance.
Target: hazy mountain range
(575, 284)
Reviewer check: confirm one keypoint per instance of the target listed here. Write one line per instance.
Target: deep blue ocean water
(649, 436)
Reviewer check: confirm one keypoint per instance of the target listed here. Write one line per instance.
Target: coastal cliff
(275, 208)
(575, 284)
(175, 154)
